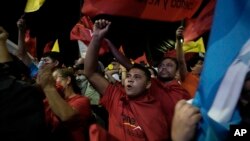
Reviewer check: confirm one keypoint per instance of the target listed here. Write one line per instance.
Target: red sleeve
(178, 92)
(112, 96)
(173, 90)
(168, 94)
(51, 118)
(82, 105)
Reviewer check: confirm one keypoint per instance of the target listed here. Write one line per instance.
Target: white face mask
(80, 78)
(40, 64)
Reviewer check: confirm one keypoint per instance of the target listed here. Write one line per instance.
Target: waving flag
(33, 5)
(83, 31)
(141, 59)
(226, 64)
(194, 46)
(161, 10)
(30, 44)
(196, 27)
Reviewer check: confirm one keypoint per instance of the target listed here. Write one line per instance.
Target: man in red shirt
(165, 88)
(134, 113)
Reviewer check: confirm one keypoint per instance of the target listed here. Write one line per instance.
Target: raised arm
(180, 54)
(22, 53)
(123, 60)
(63, 110)
(4, 54)
(101, 28)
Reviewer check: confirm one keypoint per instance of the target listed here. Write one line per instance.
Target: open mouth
(129, 86)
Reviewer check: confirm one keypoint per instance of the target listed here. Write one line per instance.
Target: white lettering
(240, 132)
(243, 131)
(237, 132)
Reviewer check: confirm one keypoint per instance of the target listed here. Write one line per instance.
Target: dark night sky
(55, 20)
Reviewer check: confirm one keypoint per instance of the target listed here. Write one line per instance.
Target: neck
(68, 93)
(165, 79)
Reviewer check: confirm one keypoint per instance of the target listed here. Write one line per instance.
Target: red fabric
(104, 48)
(196, 27)
(142, 58)
(48, 47)
(170, 53)
(97, 133)
(191, 83)
(137, 119)
(161, 10)
(139, 59)
(168, 94)
(30, 44)
(83, 31)
(79, 103)
(189, 55)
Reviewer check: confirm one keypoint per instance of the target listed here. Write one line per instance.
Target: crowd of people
(45, 100)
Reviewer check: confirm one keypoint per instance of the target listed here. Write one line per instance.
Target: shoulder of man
(21, 109)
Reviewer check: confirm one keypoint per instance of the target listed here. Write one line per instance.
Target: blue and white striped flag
(226, 63)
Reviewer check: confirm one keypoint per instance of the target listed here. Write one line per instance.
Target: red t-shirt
(137, 119)
(76, 125)
(168, 94)
(97, 133)
(191, 83)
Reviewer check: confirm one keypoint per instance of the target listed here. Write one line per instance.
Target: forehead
(167, 61)
(136, 71)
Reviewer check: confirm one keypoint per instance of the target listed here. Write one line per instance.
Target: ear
(68, 80)
(148, 85)
(56, 63)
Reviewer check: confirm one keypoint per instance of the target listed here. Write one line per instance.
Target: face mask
(80, 78)
(59, 88)
(40, 64)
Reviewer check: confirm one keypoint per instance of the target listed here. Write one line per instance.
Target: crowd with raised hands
(122, 101)
(130, 101)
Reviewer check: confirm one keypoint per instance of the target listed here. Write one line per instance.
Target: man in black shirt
(21, 105)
